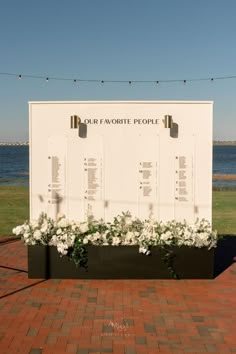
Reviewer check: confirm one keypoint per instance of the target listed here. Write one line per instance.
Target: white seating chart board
(125, 159)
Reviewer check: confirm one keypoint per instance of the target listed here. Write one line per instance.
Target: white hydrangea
(115, 241)
(34, 224)
(26, 235)
(166, 237)
(53, 241)
(85, 241)
(124, 230)
(18, 230)
(62, 248)
(129, 239)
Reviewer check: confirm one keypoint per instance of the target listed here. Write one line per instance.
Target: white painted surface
(127, 162)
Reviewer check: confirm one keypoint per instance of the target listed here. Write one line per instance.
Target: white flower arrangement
(71, 237)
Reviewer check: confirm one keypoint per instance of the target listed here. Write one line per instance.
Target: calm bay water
(224, 159)
(224, 162)
(14, 164)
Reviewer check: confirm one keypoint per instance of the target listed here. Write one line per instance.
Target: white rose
(37, 234)
(44, 227)
(128, 220)
(83, 227)
(63, 223)
(34, 224)
(115, 241)
(64, 237)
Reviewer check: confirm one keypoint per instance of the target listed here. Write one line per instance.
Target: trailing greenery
(168, 257)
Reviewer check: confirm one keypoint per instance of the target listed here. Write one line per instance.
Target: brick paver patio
(113, 316)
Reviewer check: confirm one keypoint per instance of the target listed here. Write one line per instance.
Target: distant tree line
(217, 142)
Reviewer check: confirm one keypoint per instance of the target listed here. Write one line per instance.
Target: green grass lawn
(14, 209)
(224, 211)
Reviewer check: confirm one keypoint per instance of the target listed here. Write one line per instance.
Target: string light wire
(76, 80)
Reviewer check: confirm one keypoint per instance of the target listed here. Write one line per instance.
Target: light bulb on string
(19, 77)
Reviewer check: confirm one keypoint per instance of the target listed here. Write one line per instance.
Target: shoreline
(26, 143)
(215, 177)
(224, 143)
(223, 177)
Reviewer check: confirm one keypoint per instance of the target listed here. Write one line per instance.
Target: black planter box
(121, 262)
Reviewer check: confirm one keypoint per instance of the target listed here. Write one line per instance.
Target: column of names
(148, 179)
(93, 182)
(183, 178)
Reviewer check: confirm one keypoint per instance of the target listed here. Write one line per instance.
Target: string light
(170, 81)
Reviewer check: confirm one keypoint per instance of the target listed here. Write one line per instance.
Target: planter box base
(120, 262)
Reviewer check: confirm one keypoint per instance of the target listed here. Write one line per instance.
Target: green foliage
(79, 254)
(168, 255)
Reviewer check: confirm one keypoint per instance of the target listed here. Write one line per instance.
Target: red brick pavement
(113, 316)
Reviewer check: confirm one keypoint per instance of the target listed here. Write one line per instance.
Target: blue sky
(116, 40)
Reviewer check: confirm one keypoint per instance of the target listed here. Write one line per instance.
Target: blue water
(224, 159)
(14, 164)
(224, 162)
